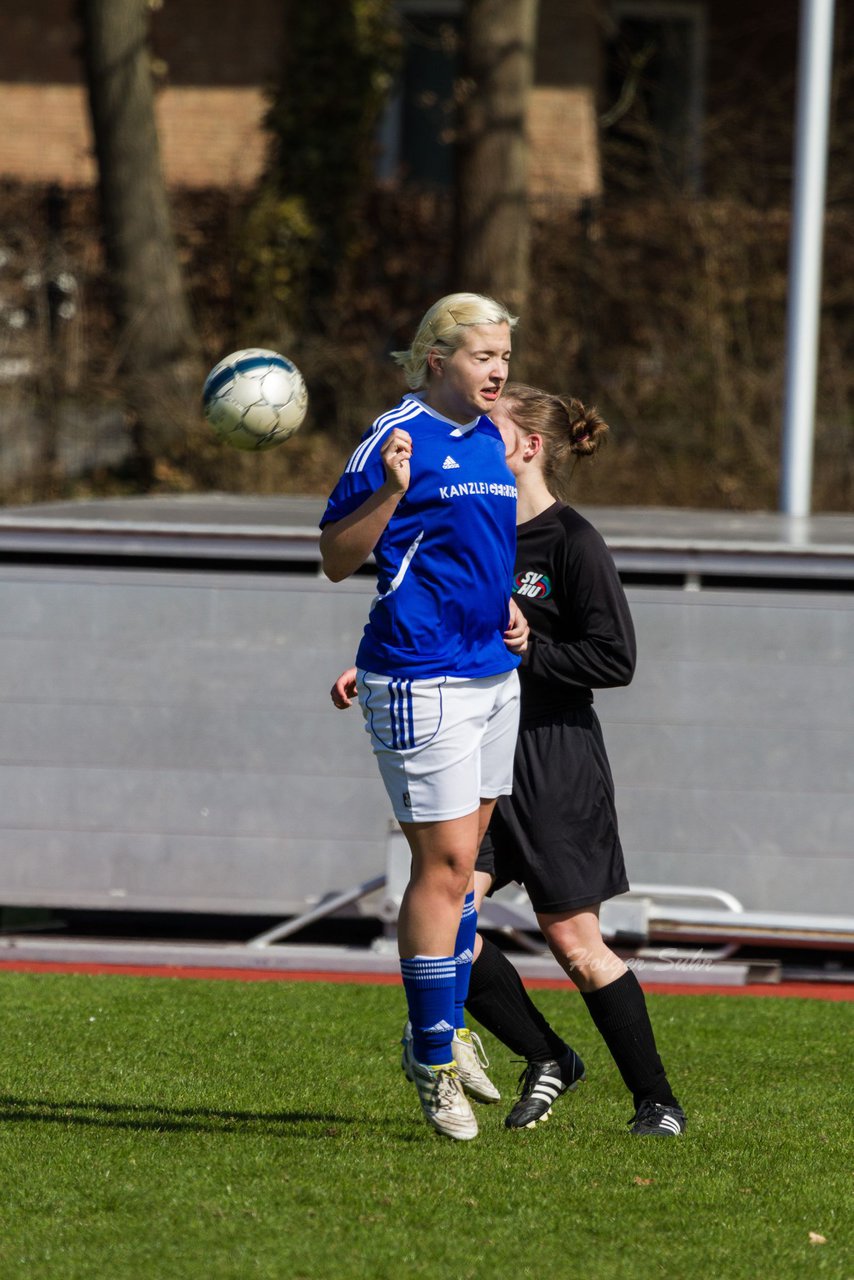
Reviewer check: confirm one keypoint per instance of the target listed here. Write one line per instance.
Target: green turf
(157, 1129)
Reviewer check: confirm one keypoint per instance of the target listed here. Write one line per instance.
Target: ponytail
(568, 428)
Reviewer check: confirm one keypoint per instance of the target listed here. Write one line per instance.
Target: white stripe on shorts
(443, 744)
(400, 711)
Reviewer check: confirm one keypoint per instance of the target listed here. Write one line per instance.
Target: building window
(417, 134)
(654, 96)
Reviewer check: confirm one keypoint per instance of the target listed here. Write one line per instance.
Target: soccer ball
(254, 399)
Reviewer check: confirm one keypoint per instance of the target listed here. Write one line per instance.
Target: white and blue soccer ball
(254, 399)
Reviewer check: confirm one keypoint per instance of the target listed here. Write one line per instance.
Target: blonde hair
(442, 330)
(569, 429)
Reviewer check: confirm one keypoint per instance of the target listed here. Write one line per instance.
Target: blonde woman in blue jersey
(429, 493)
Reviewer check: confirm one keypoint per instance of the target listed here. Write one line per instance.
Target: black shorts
(557, 833)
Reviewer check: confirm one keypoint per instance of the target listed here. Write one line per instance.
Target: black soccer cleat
(657, 1120)
(541, 1084)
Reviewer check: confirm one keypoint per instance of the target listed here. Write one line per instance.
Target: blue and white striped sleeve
(355, 485)
(365, 471)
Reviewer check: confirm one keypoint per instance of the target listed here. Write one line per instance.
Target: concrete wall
(166, 741)
(733, 749)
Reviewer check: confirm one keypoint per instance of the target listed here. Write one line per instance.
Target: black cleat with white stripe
(658, 1120)
(541, 1084)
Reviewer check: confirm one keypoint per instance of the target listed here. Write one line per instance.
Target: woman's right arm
(345, 544)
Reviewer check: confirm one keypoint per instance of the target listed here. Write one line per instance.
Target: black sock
(500, 1003)
(620, 1014)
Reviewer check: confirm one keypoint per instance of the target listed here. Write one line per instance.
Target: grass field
(159, 1129)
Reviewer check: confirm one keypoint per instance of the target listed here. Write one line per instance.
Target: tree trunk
(493, 232)
(155, 332)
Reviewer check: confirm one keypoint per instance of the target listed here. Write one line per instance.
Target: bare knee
(568, 944)
(443, 854)
(445, 874)
(577, 944)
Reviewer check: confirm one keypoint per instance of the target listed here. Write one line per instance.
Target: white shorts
(442, 744)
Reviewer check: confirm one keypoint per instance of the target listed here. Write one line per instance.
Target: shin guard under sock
(463, 953)
(620, 1014)
(429, 982)
(499, 1001)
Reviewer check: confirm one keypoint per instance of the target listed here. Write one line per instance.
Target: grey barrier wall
(733, 749)
(167, 740)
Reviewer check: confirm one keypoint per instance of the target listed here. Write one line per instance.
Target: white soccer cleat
(443, 1102)
(470, 1060)
(440, 1092)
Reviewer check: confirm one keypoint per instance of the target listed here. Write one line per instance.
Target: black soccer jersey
(582, 637)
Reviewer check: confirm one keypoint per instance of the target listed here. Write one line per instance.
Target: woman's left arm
(602, 652)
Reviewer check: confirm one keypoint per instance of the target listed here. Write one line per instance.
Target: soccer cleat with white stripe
(541, 1084)
(470, 1061)
(658, 1120)
(440, 1091)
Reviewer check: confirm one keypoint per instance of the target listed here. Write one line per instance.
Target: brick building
(214, 60)
(604, 68)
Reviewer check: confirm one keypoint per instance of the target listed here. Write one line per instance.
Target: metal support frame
(633, 921)
(327, 907)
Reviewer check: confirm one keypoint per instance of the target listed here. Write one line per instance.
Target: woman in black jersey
(557, 833)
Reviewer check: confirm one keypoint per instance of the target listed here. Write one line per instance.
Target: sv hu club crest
(534, 585)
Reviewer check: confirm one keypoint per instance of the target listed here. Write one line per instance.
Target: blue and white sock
(463, 957)
(430, 984)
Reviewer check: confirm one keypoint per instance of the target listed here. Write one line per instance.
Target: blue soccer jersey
(445, 560)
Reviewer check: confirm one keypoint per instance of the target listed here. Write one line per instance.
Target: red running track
(802, 990)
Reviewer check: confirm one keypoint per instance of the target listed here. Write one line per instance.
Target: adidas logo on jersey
(449, 463)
